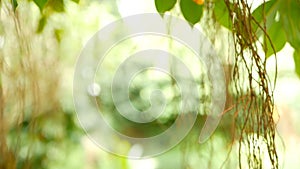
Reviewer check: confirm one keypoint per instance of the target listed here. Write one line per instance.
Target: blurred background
(39, 125)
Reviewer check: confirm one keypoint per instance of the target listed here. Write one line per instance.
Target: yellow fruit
(199, 2)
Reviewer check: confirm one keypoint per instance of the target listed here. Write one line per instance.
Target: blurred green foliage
(54, 139)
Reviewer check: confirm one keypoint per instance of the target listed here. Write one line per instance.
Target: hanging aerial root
(255, 124)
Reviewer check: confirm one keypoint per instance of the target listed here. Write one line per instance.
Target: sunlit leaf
(163, 6)
(221, 14)
(265, 12)
(277, 37)
(297, 61)
(40, 3)
(191, 11)
(289, 16)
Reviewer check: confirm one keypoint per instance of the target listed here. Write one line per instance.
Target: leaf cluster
(281, 16)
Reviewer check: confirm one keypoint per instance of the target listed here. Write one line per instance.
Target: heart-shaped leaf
(191, 11)
(277, 37)
(289, 16)
(221, 14)
(265, 11)
(163, 6)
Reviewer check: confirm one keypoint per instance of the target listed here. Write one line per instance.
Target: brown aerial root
(254, 122)
(29, 82)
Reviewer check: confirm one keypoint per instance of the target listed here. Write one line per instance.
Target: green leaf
(163, 6)
(277, 37)
(76, 1)
(289, 16)
(57, 5)
(297, 61)
(14, 4)
(40, 3)
(266, 11)
(221, 14)
(191, 11)
(42, 24)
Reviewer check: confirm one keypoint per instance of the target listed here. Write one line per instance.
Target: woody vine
(268, 27)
